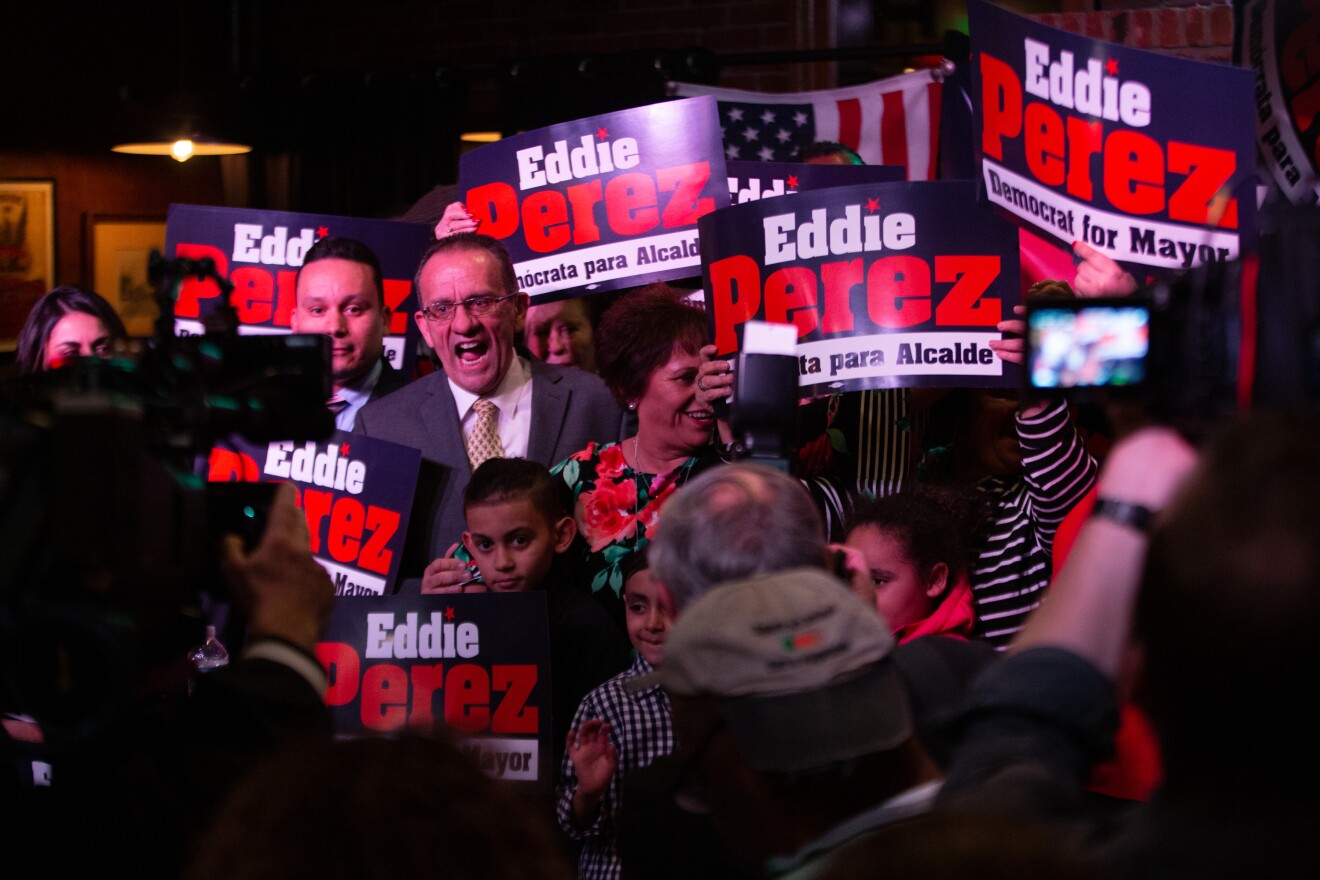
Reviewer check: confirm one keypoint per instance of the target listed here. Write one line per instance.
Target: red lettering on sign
(384, 697)
(583, 197)
(1201, 198)
(191, 290)
(316, 506)
(285, 296)
(1045, 135)
(898, 291)
(496, 206)
(346, 521)
(630, 204)
(790, 298)
(685, 207)
(396, 291)
(382, 525)
(972, 276)
(550, 219)
(1001, 105)
(513, 715)
(467, 698)
(735, 297)
(342, 668)
(1134, 172)
(254, 294)
(230, 466)
(899, 294)
(545, 221)
(426, 680)
(840, 279)
(1059, 150)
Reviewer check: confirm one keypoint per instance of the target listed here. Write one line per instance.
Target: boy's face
(648, 614)
(513, 544)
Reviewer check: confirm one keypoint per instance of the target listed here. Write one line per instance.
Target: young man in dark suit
(338, 292)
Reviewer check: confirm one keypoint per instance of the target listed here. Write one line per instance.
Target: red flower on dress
(611, 464)
(607, 514)
(585, 454)
(651, 513)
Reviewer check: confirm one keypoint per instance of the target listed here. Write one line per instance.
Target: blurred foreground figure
(1199, 587)
(390, 809)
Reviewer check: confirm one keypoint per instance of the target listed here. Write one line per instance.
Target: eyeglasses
(476, 306)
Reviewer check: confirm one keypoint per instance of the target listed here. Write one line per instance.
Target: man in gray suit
(487, 401)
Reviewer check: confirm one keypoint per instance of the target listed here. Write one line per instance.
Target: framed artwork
(116, 248)
(27, 251)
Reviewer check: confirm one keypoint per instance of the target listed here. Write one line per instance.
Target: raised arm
(1090, 608)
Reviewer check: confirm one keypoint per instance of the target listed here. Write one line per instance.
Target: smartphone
(1093, 343)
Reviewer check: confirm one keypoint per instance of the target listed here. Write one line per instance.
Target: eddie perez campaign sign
(601, 203)
(355, 491)
(888, 284)
(1148, 158)
(260, 252)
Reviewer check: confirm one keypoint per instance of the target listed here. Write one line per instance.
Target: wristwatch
(1136, 516)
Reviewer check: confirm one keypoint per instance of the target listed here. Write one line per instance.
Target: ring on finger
(701, 387)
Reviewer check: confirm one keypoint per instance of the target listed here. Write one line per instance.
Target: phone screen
(1088, 346)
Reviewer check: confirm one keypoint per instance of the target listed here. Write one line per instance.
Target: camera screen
(1088, 346)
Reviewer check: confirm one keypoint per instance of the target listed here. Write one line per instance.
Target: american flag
(893, 121)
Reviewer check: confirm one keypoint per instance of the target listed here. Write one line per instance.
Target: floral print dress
(616, 509)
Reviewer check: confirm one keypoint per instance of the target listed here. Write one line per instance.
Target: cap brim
(641, 683)
(813, 729)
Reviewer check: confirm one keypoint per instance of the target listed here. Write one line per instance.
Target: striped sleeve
(1058, 469)
(1012, 571)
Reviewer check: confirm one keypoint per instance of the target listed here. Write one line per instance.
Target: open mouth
(470, 354)
(704, 416)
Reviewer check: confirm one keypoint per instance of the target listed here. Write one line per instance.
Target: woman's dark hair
(639, 334)
(47, 313)
(926, 528)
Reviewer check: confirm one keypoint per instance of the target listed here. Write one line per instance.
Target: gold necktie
(484, 441)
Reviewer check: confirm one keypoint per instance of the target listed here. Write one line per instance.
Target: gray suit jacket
(570, 408)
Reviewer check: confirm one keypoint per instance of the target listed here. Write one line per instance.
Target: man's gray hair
(730, 523)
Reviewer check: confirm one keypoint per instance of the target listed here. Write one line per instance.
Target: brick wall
(1202, 31)
(477, 34)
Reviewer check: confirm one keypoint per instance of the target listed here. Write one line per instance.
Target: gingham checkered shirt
(642, 730)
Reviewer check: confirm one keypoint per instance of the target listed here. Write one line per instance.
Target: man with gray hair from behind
(743, 553)
(793, 721)
(733, 522)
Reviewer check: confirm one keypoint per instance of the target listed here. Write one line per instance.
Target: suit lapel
(549, 408)
(440, 417)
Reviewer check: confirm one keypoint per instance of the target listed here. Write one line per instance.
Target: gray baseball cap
(799, 666)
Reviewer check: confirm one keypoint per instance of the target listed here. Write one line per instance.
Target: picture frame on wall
(116, 250)
(27, 251)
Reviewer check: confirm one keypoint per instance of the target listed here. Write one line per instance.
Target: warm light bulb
(182, 150)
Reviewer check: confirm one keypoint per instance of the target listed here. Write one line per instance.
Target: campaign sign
(1281, 42)
(605, 202)
(355, 491)
(889, 284)
(260, 252)
(749, 181)
(477, 663)
(1148, 158)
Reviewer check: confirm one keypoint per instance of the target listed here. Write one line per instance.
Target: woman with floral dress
(652, 353)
